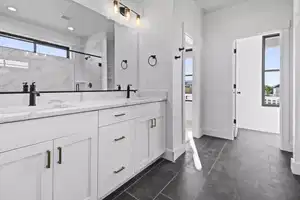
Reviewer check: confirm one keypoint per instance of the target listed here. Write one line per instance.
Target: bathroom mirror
(42, 41)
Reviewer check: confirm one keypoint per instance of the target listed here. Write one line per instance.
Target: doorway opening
(257, 79)
(188, 65)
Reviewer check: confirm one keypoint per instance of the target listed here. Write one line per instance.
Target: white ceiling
(207, 5)
(48, 13)
(210, 5)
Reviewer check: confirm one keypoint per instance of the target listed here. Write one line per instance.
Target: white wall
(221, 28)
(126, 49)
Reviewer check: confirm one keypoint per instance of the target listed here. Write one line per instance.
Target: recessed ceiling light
(10, 8)
(70, 28)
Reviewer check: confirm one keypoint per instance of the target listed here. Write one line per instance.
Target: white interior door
(248, 71)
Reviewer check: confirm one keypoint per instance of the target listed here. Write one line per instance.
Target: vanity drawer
(115, 156)
(114, 115)
(150, 110)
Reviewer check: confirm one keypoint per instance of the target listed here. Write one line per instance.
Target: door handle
(238, 92)
(59, 155)
(120, 115)
(121, 138)
(118, 171)
(177, 57)
(48, 166)
(154, 122)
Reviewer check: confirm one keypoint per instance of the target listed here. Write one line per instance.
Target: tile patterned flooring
(249, 168)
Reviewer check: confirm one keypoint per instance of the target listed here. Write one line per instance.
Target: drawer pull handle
(120, 115)
(59, 155)
(48, 166)
(121, 138)
(118, 171)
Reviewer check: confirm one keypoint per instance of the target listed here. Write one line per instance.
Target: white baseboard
(169, 155)
(199, 135)
(295, 166)
(224, 134)
(179, 151)
(172, 155)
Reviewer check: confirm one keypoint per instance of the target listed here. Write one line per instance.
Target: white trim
(295, 167)
(179, 151)
(285, 111)
(172, 155)
(169, 155)
(218, 133)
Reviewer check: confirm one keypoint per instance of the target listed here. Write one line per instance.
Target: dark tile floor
(249, 168)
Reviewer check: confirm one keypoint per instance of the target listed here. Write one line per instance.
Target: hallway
(251, 167)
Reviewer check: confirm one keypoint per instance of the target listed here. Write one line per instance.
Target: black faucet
(119, 87)
(33, 94)
(128, 91)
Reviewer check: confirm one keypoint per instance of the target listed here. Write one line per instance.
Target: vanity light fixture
(138, 20)
(13, 9)
(116, 6)
(127, 13)
(70, 28)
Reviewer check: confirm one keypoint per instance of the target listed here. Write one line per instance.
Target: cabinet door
(141, 147)
(26, 173)
(115, 156)
(157, 138)
(75, 164)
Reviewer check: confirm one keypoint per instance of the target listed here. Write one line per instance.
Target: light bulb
(116, 6)
(138, 20)
(127, 13)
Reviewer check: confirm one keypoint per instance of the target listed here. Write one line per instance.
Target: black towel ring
(124, 64)
(154, 58)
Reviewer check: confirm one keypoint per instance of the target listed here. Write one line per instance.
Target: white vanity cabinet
(149, 141)
(57, 159)
(141, 143)
(75, 164)
(115, 156)
(83, 156)
(157, 137)
(130, 139)
(26, 173)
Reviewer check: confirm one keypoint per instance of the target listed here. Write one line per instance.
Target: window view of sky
(272, 61)
(188, 66)
(29, 46)
(16, 44)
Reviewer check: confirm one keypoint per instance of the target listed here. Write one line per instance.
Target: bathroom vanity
(79, 151)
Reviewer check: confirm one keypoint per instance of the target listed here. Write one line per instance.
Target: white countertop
(13, 114)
